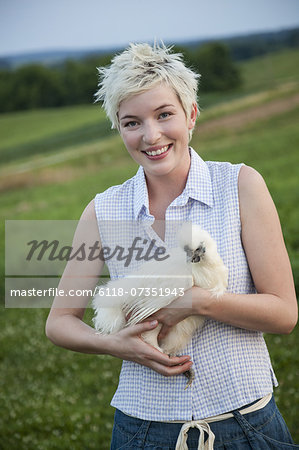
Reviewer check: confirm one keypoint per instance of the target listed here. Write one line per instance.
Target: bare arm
(274, 308)
(65, 326)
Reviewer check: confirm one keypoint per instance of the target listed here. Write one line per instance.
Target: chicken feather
(195, 262)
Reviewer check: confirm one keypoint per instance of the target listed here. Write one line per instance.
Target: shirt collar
(199, 183)
(140, 193)
(198, 186)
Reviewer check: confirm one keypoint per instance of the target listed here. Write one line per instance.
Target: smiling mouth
(158, 152)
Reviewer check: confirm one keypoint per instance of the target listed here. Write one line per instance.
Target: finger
(168, 361)
(140, 328)
(163, 332)
(171, 371)
(153, 354)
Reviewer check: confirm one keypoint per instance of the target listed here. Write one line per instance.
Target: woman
(150, 96)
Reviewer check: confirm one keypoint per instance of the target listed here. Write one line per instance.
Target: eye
(131, 124)
(164, 115)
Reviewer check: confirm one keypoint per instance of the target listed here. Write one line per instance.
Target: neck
(162, 190)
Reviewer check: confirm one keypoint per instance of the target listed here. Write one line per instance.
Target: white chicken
(195, 262)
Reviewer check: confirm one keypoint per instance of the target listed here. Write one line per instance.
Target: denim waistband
(203, 425)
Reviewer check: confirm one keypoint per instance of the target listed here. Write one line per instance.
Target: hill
(242, 47)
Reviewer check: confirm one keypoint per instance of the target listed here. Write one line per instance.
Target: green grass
(271, 70)
(265, 73)
(26, 127)
(51, 398)
(33, 133)
(54, 399)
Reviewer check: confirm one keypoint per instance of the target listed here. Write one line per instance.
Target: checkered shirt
(232, 365)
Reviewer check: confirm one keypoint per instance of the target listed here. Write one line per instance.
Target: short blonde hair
(139, 68)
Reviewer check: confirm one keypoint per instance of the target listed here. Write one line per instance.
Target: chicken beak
(189, 254)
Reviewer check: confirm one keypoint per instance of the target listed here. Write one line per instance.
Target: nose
(151, 133)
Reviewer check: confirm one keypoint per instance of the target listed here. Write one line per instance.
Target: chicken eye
(201, 248)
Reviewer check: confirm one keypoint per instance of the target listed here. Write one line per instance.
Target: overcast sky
(34, 25)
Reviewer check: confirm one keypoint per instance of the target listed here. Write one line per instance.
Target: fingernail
(153, 323)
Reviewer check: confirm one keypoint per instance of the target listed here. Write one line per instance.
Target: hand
(127, 344)
(174, 313)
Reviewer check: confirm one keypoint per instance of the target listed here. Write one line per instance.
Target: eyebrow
(130, 116)
(164, 106)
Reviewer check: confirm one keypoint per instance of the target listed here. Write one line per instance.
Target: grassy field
(53, 162)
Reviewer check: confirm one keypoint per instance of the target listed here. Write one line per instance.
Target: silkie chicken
(195, 262)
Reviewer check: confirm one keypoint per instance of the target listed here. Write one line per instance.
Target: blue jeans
(260, 430)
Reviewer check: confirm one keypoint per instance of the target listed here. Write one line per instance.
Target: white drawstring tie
(203, 426)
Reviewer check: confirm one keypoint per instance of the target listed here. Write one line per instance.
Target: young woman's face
(154, 128)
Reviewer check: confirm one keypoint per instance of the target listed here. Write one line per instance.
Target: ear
(193, 117)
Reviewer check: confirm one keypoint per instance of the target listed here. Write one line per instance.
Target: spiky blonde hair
(139, 68)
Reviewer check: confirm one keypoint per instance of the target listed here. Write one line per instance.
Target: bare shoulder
(89, 212)
(87, 227)
(250, 180)
(254, 196)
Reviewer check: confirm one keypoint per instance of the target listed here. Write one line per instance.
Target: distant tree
(218, 71)
(75, 82)
(35, 86)
(293, 38)
(186, 52)
(79, 79)
(92, 63)
(6, 91)
(4, 63)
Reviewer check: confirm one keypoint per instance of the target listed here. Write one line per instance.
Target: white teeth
(158, 152)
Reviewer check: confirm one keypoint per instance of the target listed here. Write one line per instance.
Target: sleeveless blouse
(232, 365)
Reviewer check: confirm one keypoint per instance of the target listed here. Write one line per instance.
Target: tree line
(75, 81)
